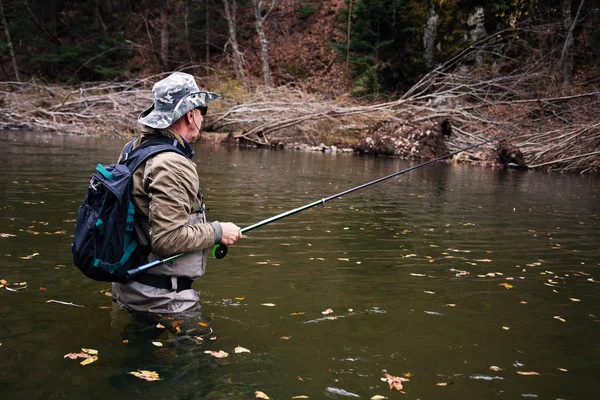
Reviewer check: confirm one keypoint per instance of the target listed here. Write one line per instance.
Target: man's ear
(190, 116)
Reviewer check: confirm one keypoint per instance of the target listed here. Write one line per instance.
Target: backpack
(104, 243)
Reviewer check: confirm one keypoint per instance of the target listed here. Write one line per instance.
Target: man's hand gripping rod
(220, 250)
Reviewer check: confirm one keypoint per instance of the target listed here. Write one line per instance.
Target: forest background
(405, 78)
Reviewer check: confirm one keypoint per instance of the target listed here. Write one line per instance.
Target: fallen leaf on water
(157, 344)
(343, 259)
(495, 368)
(146, 375)
(285, 337)
(175, 324)
(125, 341)
(217, 354)
(241, 349)
(300, 397)
(239, 298)
(562, 369)
(29, 257)
(90, 351)
(573, 299)
(395, 382)
(261, 395)
(89, 360)
(506, 328)
(443, 384)
(506, 285)
(73, 356)
(300, 379)
(298, 313)
(160, 326)
(428, 292)
(268, 304)
(205, 324)
(527, 373)
(328, 311)
(558, 317)
(6, 235)
(378, 397)
(450, 305)
(523, 302)
(42, 288)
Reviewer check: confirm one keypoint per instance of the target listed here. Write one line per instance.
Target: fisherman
(169, 207)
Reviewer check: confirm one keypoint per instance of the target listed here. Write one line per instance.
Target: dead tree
(9, 43)
(164, 34)
(262, 37)
(238, 61)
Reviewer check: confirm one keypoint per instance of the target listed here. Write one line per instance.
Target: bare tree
(566, 56)
(262, 37)
(164, 34)
(9, 42)
(238, 61)
(348, 36)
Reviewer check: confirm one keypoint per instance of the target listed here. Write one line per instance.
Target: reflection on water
(438, 274)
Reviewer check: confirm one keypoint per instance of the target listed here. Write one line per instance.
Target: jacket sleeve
(172, 187)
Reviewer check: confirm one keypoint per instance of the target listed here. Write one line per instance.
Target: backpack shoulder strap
(149, 148)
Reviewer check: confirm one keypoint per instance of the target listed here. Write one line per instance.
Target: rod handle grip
(219, 251)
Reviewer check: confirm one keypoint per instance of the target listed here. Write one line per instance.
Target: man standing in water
(169, 205)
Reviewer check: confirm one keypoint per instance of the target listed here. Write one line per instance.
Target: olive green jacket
(170, 217)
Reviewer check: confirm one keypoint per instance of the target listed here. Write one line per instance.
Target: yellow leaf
(89, 360)
(160, 326)
(241, 349)
(261, 395)
(146, 375)
(378, 397)
(506, 328)
(343, 259)
(298, 313)
(573, 299)
(442, 384)
(300, 397)
(285, 337)
(527, 373)
(268, 304)
(239, 298)
(299, 378)
(450, 305)
(157, 344)
(202, 323)
(562, 369)
(558, 317)
(495, 368)
(506, 285)
(90, 351)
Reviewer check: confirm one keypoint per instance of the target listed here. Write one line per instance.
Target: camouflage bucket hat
(173, 97)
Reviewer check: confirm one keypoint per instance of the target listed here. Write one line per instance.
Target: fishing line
(219, 251)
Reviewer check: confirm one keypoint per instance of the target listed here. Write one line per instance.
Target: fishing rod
(219, 251)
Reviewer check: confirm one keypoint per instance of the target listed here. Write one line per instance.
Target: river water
(465, 280)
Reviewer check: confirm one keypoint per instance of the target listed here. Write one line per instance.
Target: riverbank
(436, 117)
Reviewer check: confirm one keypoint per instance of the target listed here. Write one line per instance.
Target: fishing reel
(219, 251)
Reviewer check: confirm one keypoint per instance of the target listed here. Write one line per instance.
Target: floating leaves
(217, 354)
(395, 382)
(261, 395)
(157, 344)
(6, 235)
(326, 312)
(495, 368)
(378, 397)
(145, 375)
(89, 356)
(268, 304)
(527, 373)
(506, 285)
(558, 317)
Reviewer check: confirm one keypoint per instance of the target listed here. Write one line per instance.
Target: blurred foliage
(74, 41)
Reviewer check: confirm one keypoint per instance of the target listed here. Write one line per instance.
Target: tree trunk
(207, 47)
(348, 36)
(98, 17)
(566, 56)
(238, 61)
(9, 43)
(186, 33)
(164, 34)
(262, 37)
(430, 34)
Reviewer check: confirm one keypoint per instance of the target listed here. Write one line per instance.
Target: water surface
(437, 275)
